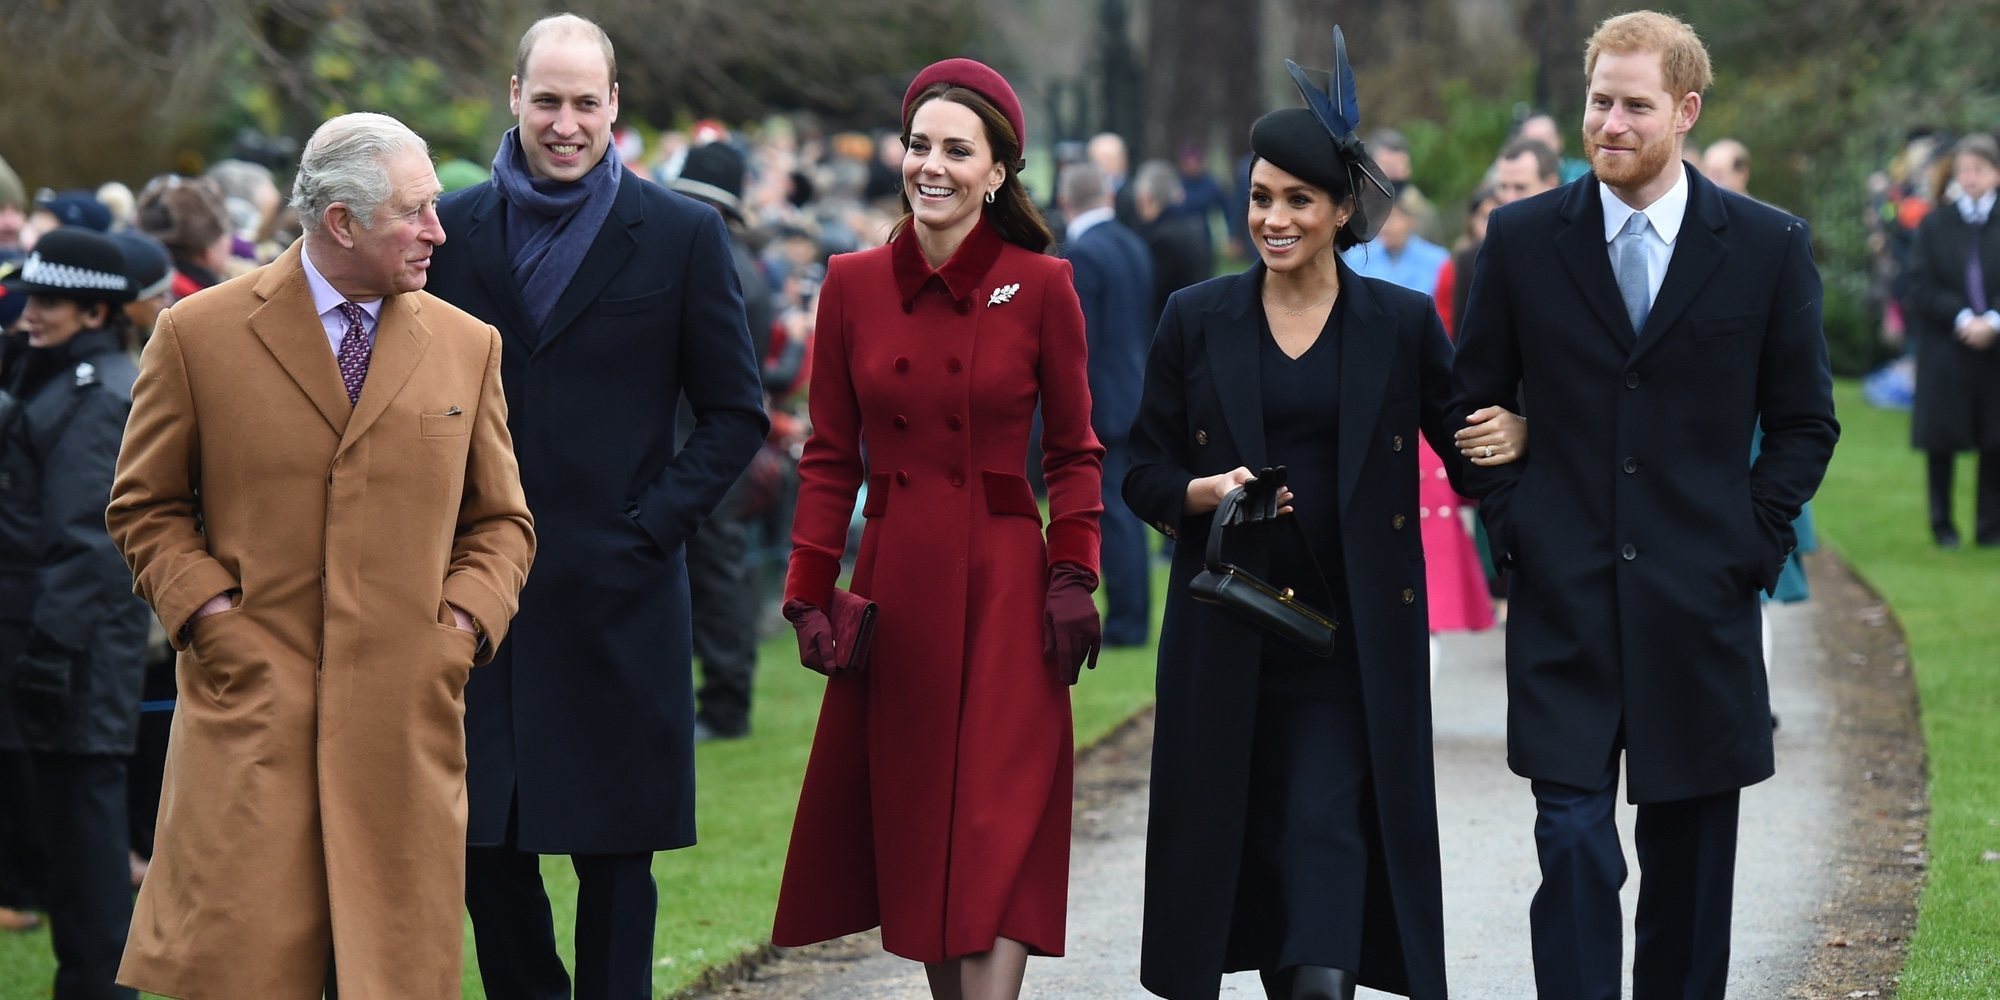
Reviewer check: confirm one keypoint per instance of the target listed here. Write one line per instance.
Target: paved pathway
(1486, 817)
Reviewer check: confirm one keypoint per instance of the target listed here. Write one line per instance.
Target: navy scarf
(550, 224)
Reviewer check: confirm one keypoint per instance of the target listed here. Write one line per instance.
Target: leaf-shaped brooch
(1003, 294)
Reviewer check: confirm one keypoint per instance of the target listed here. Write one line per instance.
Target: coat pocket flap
(1007, 493)
(451, 424)
(877, 502)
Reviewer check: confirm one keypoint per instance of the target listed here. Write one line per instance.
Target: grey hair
(240, 178)
(346, 161)
(1159, 181)
(1082, 187)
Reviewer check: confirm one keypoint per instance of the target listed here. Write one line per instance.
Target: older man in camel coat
(318, 496)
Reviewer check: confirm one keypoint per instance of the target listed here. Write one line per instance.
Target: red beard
(1630, 170)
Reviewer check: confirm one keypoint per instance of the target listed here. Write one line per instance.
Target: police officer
(72, 635)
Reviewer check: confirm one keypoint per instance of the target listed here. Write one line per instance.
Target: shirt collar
(1086, 221)
(1981, 210)
(1665, 213)
(325, 298)
(960, 275)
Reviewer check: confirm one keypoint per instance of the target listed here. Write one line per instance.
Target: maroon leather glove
(1070, 633)
(836, 641)
(816, 650)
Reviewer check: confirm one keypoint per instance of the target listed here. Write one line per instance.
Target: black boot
(1317, 982)
(1940, 469)
(1277, 982)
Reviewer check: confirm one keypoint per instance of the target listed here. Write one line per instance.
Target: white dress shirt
(1665, 214)
(328, 302)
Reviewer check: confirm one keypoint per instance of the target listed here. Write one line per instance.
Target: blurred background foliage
(1823, 91)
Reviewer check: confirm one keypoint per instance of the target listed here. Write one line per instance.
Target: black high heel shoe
(1317, 982)
(1308, 982)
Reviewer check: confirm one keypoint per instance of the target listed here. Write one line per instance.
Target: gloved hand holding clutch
(830, 643)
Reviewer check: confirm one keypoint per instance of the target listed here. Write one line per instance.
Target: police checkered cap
(78, 264)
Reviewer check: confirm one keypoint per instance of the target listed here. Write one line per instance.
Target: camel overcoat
(314, 801)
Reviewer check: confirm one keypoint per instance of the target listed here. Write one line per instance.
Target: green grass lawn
(1872, 510)
(716, 899)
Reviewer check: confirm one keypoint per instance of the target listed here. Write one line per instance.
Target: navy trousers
(1687, 866)
(1127, 574)
(81, 801)
(515, 938)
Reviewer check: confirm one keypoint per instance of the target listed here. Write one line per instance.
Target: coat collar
(486, 241)
(1698, 251)
(961, 275)
(1232, 338)
(289, 327)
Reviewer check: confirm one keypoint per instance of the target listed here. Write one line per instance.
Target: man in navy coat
(613, 298)
(1648, 319)
(1114, 282)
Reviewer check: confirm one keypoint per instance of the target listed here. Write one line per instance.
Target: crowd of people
(565, 417)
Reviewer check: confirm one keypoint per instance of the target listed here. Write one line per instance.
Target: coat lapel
(1367, 353)
(488, 239)
(601, 263)
(1580, 244)
(400, 340)
(1229, 334)
(1698, 251)
(291, 330)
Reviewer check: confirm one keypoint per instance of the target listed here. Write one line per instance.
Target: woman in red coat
(937, 800)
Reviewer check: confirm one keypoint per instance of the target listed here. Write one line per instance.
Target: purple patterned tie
(1975, 276)
(353, 355)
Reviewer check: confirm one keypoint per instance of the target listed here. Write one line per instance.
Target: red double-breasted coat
(937, 799)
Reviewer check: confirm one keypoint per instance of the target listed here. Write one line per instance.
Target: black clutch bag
(1271, 608)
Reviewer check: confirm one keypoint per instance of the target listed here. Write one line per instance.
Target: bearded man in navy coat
(1648, 319)
(613, 297)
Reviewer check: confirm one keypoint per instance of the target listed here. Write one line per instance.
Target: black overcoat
(1637, 529)
(1202, 414)
(63, 585)
(586, 714)
(1958, 388)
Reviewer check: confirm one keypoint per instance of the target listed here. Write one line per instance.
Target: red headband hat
(977, 77)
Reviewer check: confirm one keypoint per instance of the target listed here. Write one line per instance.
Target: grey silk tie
(1628, 261)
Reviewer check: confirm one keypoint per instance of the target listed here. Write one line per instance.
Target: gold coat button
(1200, 437)
(1397, 522)
(1409, 596)
(1396, 443)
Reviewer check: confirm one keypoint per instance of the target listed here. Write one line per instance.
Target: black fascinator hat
(1320, 145)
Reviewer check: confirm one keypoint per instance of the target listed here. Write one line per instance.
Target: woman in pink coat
(937, 800)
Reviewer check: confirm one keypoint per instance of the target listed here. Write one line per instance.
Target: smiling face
(566, 104)
(1292, 222)
(1632, 127)
(53, 322)
(948, 168)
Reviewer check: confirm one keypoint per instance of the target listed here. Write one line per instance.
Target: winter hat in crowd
(977, 77)
(76, 208)
(185, 213)
(147, 265)
(713, 173)
(76, 264)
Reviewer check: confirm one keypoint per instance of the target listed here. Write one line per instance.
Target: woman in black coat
(72, 635)
(1954, 297)
(1293, 825)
